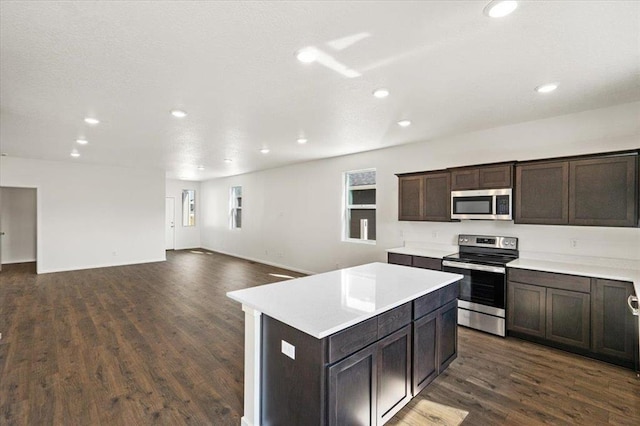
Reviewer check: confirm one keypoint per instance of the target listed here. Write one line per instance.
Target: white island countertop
(323, 304)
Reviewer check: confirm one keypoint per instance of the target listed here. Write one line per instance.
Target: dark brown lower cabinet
(613, 328)
(352, 389)
(579, 314)
(415, 261)
(435, 344)
(393, 374)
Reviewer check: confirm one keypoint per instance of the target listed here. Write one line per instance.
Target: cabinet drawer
(432, 301)
(550, 279)
(352, 339)
(427, 263)
(399, 259)
(394, 319)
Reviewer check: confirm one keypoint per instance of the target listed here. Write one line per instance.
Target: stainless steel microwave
(492, 204)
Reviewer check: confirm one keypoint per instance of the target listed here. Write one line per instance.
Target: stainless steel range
(482, 260)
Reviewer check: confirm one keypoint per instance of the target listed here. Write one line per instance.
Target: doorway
(18, 225)
(170, 220)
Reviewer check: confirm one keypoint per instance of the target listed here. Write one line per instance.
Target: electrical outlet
(114, 253)
(434, 234)
(573, 243)
(288, 349)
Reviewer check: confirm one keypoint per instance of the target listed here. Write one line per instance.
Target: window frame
(234, 207)
(346, 210)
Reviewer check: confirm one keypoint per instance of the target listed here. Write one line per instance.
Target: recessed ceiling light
(404, 123)
(178, 113)
(381, 93)
(307, 55)
(200, 167)
(82, 141)
(90, 120)
(228, 160)
(546, 88)
(500, 8)
(302, 141)
(264, 150)
(75, 154)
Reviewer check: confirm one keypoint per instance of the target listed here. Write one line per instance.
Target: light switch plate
(288, 349)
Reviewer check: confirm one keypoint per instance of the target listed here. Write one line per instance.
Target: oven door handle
(474, 266)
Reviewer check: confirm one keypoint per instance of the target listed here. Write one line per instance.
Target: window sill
(359, 241)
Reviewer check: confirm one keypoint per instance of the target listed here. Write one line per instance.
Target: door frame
(38, 221)
(174, 222)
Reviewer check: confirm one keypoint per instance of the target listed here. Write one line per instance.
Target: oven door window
(485, 288)
(473, 205)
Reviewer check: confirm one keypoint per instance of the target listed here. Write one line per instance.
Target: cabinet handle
(631, 299)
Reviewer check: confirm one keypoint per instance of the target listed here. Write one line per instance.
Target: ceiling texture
(232, 67)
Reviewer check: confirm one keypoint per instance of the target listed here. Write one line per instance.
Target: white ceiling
(231, 66)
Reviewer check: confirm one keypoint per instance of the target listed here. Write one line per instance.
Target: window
(188, 207)
(360, 206)
(236, 207)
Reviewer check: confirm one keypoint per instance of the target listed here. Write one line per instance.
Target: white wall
(292, 216)
(185, 236)
(92, 216)
(18, 222)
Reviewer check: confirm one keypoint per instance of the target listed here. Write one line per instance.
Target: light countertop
(424, 252)
(587, 270)
(323, 304)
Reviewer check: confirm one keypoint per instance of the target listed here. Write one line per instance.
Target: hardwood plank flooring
(160, 343)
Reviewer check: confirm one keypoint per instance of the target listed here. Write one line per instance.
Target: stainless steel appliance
(482, 261)
(493, 204)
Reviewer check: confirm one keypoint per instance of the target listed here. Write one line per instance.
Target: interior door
(170, 220)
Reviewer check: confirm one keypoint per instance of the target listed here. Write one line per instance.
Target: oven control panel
(488, 241)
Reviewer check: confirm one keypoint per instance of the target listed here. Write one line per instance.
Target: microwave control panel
(502, 204)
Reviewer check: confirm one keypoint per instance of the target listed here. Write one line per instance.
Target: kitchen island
(351, 346)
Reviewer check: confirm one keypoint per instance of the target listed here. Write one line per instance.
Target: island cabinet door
(394, 373)
(353, 389)
(447, 335)
(425, 354)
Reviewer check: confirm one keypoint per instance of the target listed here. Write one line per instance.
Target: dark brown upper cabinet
(603, 191)
(483, 177)
(596, 191)
(542, 193)
(425, 197)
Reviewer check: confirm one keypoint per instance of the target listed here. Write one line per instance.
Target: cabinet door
(496, 177)
(427, 263)
(352, 389)
(425, 354)
(526, 309)
(447, 335)
(437, 197)
(613, 327)
(410, 197)
(542, 193)
(394, 374)
(568, 317)
(603, 192)
(465, 179)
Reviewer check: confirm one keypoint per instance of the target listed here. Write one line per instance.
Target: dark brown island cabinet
(579, 314)
(592, 191)
(364, 374)
(424, 196)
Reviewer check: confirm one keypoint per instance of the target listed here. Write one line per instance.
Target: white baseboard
(265, 262)
(79, 268)
(11, 262)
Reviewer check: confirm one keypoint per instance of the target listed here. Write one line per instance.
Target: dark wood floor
(160, 343)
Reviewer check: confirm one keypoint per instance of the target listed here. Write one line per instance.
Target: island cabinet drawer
(394, 319)
(550, 279)
(346, 342)
(430, 302)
